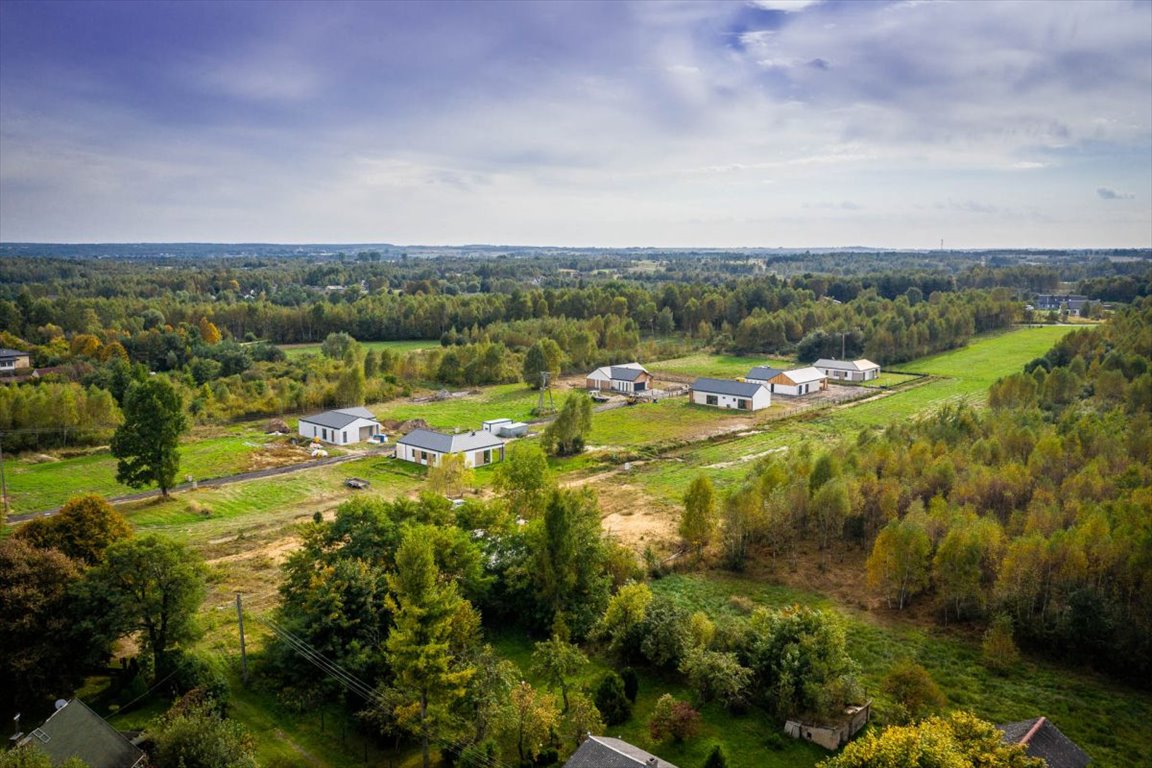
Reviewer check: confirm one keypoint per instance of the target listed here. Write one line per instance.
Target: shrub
(999, 646)
(631, 683)
(611, 701)
(913, 691)
(674, 718)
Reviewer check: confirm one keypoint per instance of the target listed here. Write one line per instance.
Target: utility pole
(243, 651)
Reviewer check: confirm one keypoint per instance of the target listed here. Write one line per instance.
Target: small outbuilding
(343, 426)
(800, 381)
(606, 752)
(14, 359)
(831, 736)
(74, 730)
(1044, 740)
(629, 377)
(725, 393)
(848, 370)
(424, 446)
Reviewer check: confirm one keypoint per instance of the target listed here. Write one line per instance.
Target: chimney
(653, 762)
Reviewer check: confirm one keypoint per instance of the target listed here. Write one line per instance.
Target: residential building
(848, 370)
(1044, 740)
(724, 393)
(763, 374)
(74, 730)
(424, 446)
(801, 381)
(343, 426)
(629, 377)
(14, 359)
(606, 752)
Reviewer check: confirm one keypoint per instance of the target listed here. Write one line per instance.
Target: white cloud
(789, 6)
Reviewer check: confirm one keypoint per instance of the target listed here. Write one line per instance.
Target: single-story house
(798, 382)
(342, 426)
(831, 736)
(629, 377)
(12, 359)
(74, 730)
(725, 393)
(1054, 302)
(848, 370)
(423, 446)
(1044, 740)
(763, 374)
(606, 752)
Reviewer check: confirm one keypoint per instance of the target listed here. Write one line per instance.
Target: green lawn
(716, 366)
(659, 422)
(468, 412)
(294, 351)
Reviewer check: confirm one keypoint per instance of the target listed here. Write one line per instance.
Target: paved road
(213, 482)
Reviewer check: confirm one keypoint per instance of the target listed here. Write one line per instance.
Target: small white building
(11, 359)
(506, 427)
(343, 426)
(629, 377)
(424, 446)
(848, 370)
(801, 381)
(724, 393)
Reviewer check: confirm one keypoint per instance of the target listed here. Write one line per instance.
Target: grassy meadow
(294, 351)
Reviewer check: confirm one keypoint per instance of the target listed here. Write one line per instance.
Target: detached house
(801, 381)
(1044, 740)
(763, 374)
(848, 370)
(13, 359)
(629, 377)
(723, 393)
(424, 446)
(74, 730)
(606, 752)
(340, 427)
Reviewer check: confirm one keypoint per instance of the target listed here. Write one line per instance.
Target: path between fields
(215, 482)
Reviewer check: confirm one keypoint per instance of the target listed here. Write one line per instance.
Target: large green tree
(544, 355)
(431, 677)
(149, 585)
(146, 445)
(525, 480)
(566, 435)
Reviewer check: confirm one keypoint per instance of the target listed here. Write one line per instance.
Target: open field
(468, 411)
(294, 351)
(716, 366)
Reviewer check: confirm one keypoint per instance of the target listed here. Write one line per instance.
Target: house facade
(848, 370)
(343, 426)
(629, 377)
(801, 381)
(14, 359)
(424, 446)
(724, 393)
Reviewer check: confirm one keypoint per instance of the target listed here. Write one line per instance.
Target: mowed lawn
(715, 366)
(470, 411)
(294, 351)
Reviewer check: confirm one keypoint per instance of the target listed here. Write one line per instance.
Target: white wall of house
(794, 390)
(417, 455)
(343, 436)
(762, 399)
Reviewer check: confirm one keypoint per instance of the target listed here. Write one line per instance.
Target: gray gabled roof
(606, 752)
(624, 373)
(1044, 740)
(76, 731)
(727, 387)
(5, 352)
(339, 418)
(845, 365)
(763, 372)
(427, 440)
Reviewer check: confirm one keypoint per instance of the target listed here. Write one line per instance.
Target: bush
(611, 701)
(674, 718)
(999, 646)
(913, 691)
(192, 673)
(631, 683)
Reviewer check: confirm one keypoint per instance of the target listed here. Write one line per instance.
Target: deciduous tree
(698, 521)
(83, 529)
(147, 444)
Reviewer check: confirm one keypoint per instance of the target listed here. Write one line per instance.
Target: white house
(423, 446)
(762, 374)
(724, 393)
(340, 427)
(11, 359)
(848, 370)
(630, 377)
(798, 382)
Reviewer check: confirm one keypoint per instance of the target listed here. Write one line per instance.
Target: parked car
(356, 483)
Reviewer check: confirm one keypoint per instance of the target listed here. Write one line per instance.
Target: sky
(777, 123)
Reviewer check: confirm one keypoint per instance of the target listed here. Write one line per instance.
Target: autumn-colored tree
(698, 521)
(209, 333)
(913, 692)
(581, 719)
(534, 716)
(451, 476)
(675, 718)
(898, 567)
(1000, 653)
(83, 529)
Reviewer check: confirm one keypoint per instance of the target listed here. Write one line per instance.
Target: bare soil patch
(635, 520)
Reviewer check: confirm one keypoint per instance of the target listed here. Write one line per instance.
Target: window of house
(712, 400)
(742, 404)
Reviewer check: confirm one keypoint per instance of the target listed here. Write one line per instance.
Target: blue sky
(773, 123)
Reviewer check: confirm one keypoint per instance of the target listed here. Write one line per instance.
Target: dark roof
(5, 352)
(1044, 740)
(621, 373)
(726, 387)
(339, 418)
(763, 372)
(606, 752)
(428, 440)
(76, 731)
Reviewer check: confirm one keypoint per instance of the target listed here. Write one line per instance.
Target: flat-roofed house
(425, 446)
(343, 426)
(801, 381)
(725, 393)
(628, 377)
(848, 370)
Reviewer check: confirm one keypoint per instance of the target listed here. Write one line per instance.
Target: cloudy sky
(772, 123)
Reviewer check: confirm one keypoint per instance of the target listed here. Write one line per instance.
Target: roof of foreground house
(429, 440)
(74, 730)
(1044, 740)
(804, 375)
(727, 387)
(339, 418)
(606, 752)
(763, 373)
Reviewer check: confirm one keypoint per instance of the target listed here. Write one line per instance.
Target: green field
(294, 351)
(469, 411)
(716, 366)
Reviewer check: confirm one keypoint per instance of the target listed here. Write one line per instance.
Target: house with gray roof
(848, 370)
(425, 446)
(74, 730)
(763, 374)
(725, 393)
(1044, 740)
(12, 359)
(606, 752)
(342, 426)
(628, 377)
